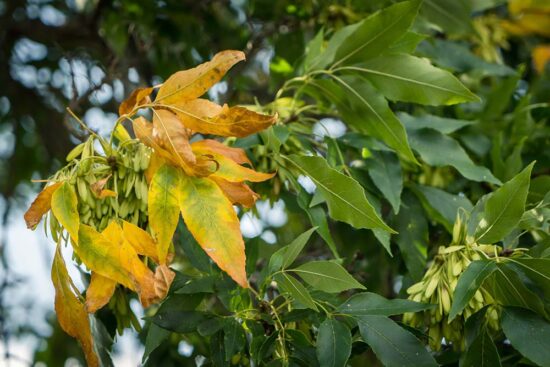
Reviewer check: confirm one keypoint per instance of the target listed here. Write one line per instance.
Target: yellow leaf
(170, 134)
(137, 98)
(164, 207)
(529, 23)
(140, 240)
(71, 312)
(237, 192)
(155, 163)
(228, 169)
(107, 194)
(227, 121)
(238, 155)
(64, 207)
(210, 217)
(99, 292)
(40, 206)
(541, 56)
(193, 83)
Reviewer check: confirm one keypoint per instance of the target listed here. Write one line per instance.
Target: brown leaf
(193, 83)
(227, 121)
(163, 279)
(40, 206)
(98, 188)
(99, 292)
(237, 192)
(137, 98)
(71, 312)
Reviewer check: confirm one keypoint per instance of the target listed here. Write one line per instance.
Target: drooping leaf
(292, 286)
(333, 343)
(482, 352)
(393, 345)
(407, 78)
(163, 204)
(237, 192)
(368, 303)
(71, 312)
(327, 276)
(41, 205)
(468, 284)
(528, 333)
(345, 197)
(440, 150)
(64, 207)
(504, 208)
(99, 292)
(193, 83)
(385, 171)
(211, 219)
(376, 33)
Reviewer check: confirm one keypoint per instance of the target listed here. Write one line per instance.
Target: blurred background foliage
(88, 55)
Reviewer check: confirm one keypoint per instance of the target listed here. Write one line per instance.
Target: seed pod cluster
(438, 286)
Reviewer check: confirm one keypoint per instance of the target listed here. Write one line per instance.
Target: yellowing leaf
(140, 240)
(172, 136)
(193, 83)
(40, 206)
(64, 207)
(541, 56)
(229, 121)
(210, 217)
(228, 169)
(164, 207)
(236, 192)
(99, 292)
(238, 155)
(137, 98)
(71, 312)
(155, 163)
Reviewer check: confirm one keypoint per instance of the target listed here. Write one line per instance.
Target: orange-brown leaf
(227, 121)
(170, 134)
(98, 188)
(40, 206)
(193, 83)
(71, 312)
(237, 192)
(99, 292)
(163, 279)
(138, 97)
(238, 155)
(211, 219)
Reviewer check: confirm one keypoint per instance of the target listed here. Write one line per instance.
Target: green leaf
(452, 16)
(293, 287)
(413, 235)
(367, 303)
(366, 110)
(482, 352)
(285, 256)
(345, 197)
(444, 125)
(468, 283)
(333, 343)
(155, 337)
(443, 205)
(538, 270)
(508, 289)
(385, 171)
(407, 78)
(234, 339)
(177, 308)
(376, 33)
(64, 207)
(440, 150)
(164, 207)
(504, 208)
(327, 276)
(406, 44)
(393, 345)
(528, 333)
(314, 49)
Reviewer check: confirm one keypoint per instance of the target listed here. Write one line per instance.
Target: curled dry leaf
(40, 206)
(163, 279)
(138, 97)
